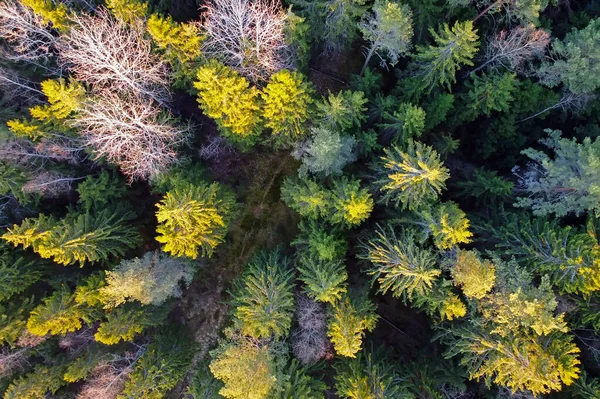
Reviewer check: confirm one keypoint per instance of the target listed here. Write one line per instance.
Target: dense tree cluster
(265, 199)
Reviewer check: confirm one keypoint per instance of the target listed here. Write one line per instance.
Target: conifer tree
(17, 273)
(447, 224)
(389, 31)
(454, 47)
(43, 380)
(325, 153)
(52, 12)
(230, 100)
(399, 265)
(13, 319)
(493, 92)
(287, 98)
(475, 277)
(264, 299)
(180, 43)
(485, 187)
(58, 314)
(325, 281)
(566, 183)
(300, 384)
(306, 197)
(78, 238)
(351, 204)
(342, 111)
(127, 321)
(98, 192)
(404, 124)
(320, 241)
(411, 177)
(351, 318)
(129, 11)
(194, 220)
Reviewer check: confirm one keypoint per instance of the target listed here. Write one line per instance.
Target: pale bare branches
(50, 184)
(13, 360)
(28, 37)
(309, 341)
(247, 36)
(131, 132)
(512, 50)
(108, 54)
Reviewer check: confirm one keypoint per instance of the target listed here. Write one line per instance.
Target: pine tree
(194, 220)
(351, 204)
(351, 318)
(454, 47)
(389, 32)
(566, 183)
(229, 99)
(161, 367)
(287, 98)
(325, 153)
(325, 281)
(306, 197)
(412, 177)
(180, 43)
(78, 238)
(447, 224)
(474, 276)
(342, 111)
(404, 124)
(399, 265)
(264, 299)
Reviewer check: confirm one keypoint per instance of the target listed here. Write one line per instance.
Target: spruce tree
(342, 111)
(446, 223)
(404, 124)
(306, 197)
(351, 204)
(325, 281)
(352, 317)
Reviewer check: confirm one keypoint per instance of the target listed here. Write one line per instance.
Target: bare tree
(215, 147)
(13, 360)
(28, 38)
(109, 54)
(569, 102)
(512, 50)
(131, 132)
(309, 341)
(50, 184)
(247, 36)
(15, 88)
(30, 155)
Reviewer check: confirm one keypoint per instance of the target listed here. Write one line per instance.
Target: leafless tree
(215, 147)
(57, 148)
(50, 184)
(569, 102)
(513, 49)
(107, 379)
(131, 132)
(109, 54)
(13, 360)
(28, 38)
(15, 88)
(247, 35)
(309, 341)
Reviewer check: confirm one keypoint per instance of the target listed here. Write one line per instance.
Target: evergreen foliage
(58, 314)
(319, 241)
(194, 220)
(325, 281)
(43, 380)
(351, 204)
(342, 111)
(325, 153)
(475, 277)
(404, 124)
(447, 224)
(129, 11)
(492, 92)
(352, 317)
(306, 197)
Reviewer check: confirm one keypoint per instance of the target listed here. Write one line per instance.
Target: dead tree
(109, 54)
(131, 132)
(28, 38)
(247, 36)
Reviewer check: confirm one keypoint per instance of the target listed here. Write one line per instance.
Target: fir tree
(97, 192)
(454, 47)
(411, 177)
(351, 204)
(194, 220)
(58, 314)
(342, 111)
(404, 124)
(306, 197)
(319, 240)
(263, 298)
(325, 281)
(287, 98)
(17, 273)
(300, 384)
(126, 322)
(493, 92)
(485, 187)
(351, 318)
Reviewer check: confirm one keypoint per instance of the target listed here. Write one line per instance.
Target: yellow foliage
(178, 40)
(127, 10)
(25, 129)
(452, 308)
(64, 98)
(475, 277)
(348, 325)
(50, 12)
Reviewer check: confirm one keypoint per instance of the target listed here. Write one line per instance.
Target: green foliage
(96, 192)
(180, 43)
(407, 122)
(578, 66)
(437, 109)
(569, 182)
(351, 205)
(152, 279)
(194, 220)
(77, 238)
(319, 240)
(248, 370)
(229, 99)
(489, 93)
(58, 314)
(127, 321)
(454, 47)
(161, 367)
(13, 318)
(203, 385)
(17, 273)
(389, 31)
(82, 366)
(485, 187)
(264, 299)
(286, 98)
(368, 376)
(352, 317)
(325, 153)
(411, 177)
(399, 265)
(447, 224)
(12, 180)
(342, 111)
(300, 384)
(306, 197)
(325, 281)
(297, 35)
(38, 384)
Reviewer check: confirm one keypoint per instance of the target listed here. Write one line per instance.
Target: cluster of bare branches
(248, 36)
(17, 89)
(28, 38)
(107, 379)
(109, 54)
(309, 341)
(133, 133)
(13, 360)
(515, 48)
